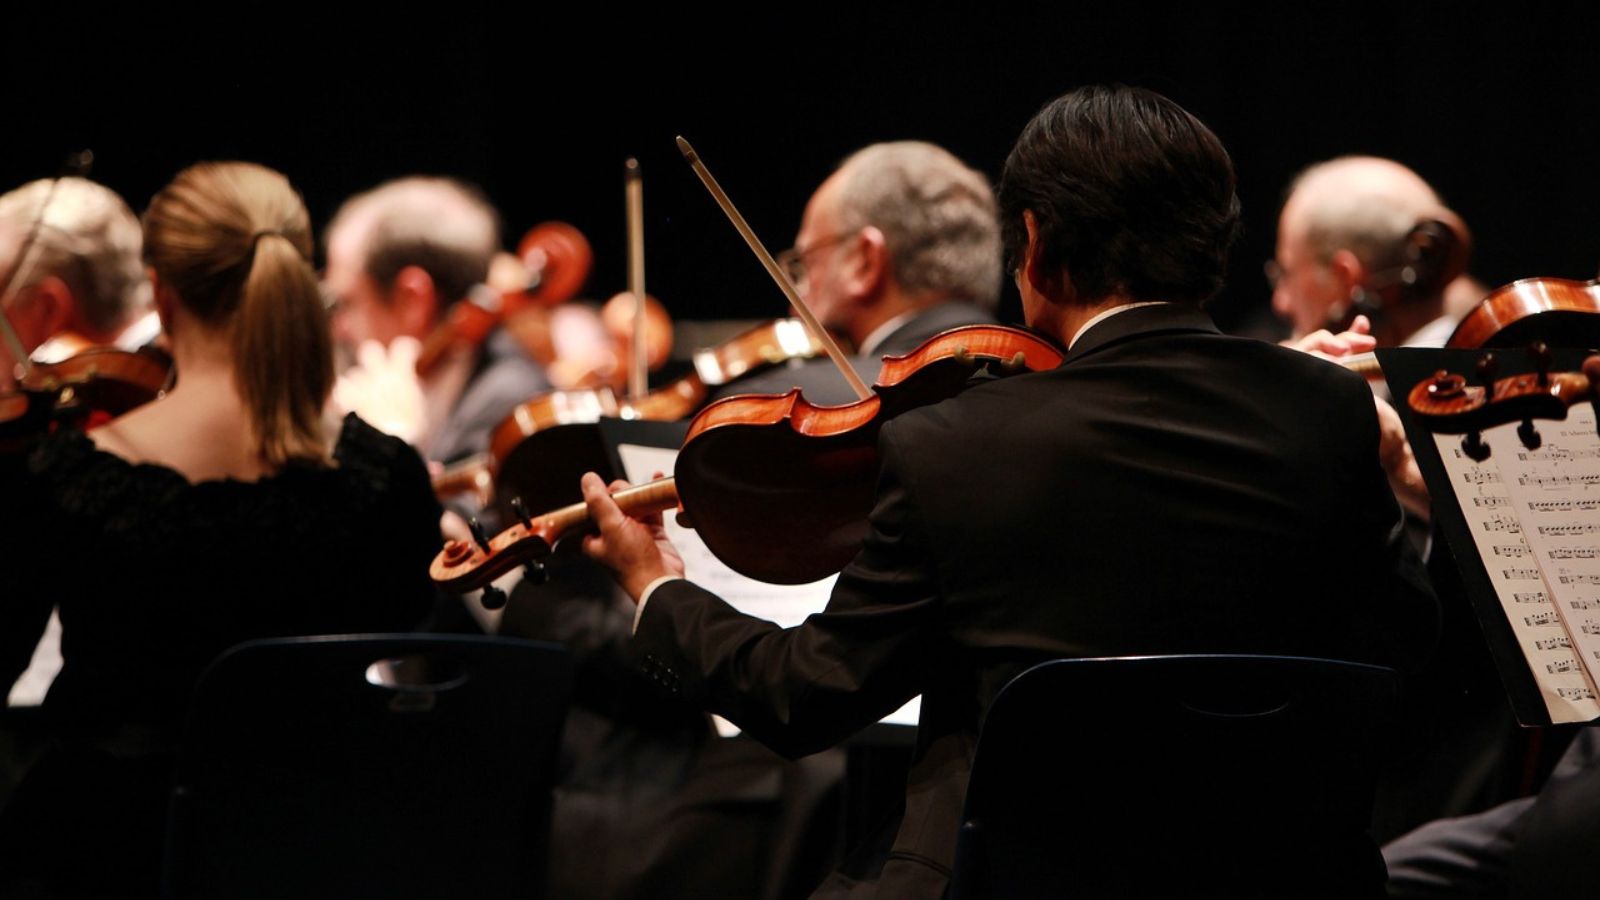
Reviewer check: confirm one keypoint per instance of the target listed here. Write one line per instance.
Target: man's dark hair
(1131, 193)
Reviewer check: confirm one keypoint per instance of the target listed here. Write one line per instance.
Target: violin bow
(634, 192)
(771, 265)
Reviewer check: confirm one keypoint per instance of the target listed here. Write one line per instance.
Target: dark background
(1497, 108)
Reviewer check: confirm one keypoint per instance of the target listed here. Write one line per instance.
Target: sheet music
(786, 605)
(1535, 526)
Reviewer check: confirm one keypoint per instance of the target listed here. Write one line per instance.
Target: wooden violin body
(533, 455)
(779, 489)
(98, 381)
(1560, 312)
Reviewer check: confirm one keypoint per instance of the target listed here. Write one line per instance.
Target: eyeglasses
(793, 260)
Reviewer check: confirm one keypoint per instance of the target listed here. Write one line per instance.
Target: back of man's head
(1365, 204)
(88, 238)
(1131, 194)
(440, 225)
(936, 214)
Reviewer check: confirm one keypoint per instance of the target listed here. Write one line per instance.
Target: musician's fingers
(603, 510)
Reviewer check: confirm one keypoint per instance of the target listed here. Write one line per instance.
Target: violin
(553, 261)
(1447, 404)
(534, 457)
(1558, 311)
(779, 489)
(100, 382)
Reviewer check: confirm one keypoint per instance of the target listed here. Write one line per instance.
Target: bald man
(1365, 236)
(900, 243)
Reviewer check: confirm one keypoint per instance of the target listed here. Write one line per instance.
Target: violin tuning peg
(1542, 360)
(520, 510)
(1529, 435)
(536, 572)
(1488, 367)
(478, 534)
(493, 598)
(1474, 447)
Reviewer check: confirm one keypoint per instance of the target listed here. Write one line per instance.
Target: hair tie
(256, 238)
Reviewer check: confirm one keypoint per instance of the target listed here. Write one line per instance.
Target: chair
(1177, 776)
(391, 766)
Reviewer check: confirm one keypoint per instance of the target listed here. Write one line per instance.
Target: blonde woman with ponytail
(216, 514)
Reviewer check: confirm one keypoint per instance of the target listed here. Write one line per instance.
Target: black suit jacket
(821, 381)
(1167, 489)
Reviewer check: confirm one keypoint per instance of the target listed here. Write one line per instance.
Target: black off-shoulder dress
(155, 576)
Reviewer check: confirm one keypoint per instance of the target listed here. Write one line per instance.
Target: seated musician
(1347, 233)
(399, 256)
(1156, 493)
(85, 285)
(897, 245)
(219, 513)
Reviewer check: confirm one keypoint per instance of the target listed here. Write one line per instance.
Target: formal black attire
(155, 576)
(1162, 491)
(503, 376)
(820, 379)
(1536, 847)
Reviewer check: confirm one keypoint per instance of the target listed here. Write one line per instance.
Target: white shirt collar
(1106, 314)
(882, 332)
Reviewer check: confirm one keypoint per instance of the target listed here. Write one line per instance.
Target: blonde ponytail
(234, 240)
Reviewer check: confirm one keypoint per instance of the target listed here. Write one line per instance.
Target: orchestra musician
(897, 245)
(1343, 239)
(86, 285)
(398, 257)
(1156, 493)
(220, 512)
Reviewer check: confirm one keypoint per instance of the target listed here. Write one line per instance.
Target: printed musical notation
(1519, 505)
(1564, 505)
(1559, 481)
(1558, 454)
(1506, 524)
(1584, 604)
(1570, 529)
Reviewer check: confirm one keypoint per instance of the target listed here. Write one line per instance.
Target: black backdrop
(1497, 108)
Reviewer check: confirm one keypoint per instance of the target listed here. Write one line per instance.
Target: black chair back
(392, 766)
(1177, 776)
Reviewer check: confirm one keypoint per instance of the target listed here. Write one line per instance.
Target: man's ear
(415, 301)
(1348, 272)
(871, 268)
(1033, 269)
(55, 307)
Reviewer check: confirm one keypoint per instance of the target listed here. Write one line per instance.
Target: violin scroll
(1447, 404)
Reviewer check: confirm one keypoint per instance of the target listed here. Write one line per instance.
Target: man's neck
(1075, 317)
(891, 307)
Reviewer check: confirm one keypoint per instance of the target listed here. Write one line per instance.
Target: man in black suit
(899, 244)
(1159, 492)
(1536, 848)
